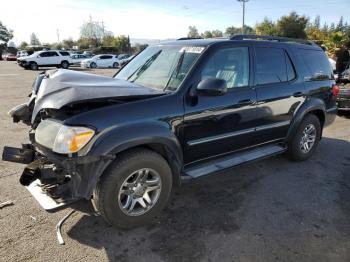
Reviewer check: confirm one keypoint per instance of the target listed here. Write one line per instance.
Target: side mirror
(212, 87)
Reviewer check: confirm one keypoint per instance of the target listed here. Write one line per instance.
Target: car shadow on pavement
(199, 209)
(206, 206)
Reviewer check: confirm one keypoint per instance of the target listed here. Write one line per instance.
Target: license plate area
(18, 155)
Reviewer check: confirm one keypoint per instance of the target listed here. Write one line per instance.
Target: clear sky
(152, 19)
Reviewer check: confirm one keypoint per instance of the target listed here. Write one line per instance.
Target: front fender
(310, 105)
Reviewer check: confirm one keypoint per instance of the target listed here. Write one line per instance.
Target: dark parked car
(344, 98)
(179, 110)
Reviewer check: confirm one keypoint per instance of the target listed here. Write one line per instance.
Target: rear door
(279, 92)
(105, 61)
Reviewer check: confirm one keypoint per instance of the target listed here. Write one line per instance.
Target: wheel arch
(155, 136)
(313, 106)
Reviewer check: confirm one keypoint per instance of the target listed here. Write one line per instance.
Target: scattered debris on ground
(59, 225)
(6, 204)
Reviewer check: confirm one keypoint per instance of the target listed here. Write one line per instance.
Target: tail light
(335, 90)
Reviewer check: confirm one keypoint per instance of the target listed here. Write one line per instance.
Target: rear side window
(105, 57)
(317, 64)
(52, 54)
(64, 53)
(273, 65)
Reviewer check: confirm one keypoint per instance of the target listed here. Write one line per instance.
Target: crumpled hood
(62, 87)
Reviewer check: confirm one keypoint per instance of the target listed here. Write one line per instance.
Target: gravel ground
(272, 210)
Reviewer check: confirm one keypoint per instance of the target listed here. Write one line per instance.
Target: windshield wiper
(176, 69)
(143, 67)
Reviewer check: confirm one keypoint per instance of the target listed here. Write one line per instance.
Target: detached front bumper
(56, 180)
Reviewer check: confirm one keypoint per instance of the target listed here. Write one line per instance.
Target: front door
(216, 125)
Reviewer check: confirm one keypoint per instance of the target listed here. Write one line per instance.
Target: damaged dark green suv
(178, 110)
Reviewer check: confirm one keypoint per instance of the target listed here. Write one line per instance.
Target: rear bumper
(55, 180)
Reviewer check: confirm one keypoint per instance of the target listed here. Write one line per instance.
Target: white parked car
(101, 61)
(77, 58)
(22, 53)
(55, 58)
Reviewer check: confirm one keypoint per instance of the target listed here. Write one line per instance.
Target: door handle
(298, 94)
(245, 102)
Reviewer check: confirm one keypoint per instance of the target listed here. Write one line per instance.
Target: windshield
(161, 67)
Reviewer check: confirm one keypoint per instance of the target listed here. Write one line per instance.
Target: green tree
(317, 22)
(122, 43)
(206, 34)
(340, 25)
(68, 43)
(216, 33)
(232, 30)
(5, 35)
(193, 32)
(34, 40)
(266, 27)
(292, 26)
(23, 45)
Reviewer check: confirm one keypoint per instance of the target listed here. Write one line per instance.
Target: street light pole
(243, 3)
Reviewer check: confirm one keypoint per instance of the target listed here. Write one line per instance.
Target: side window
(230, 64)
(290, 68)
(106, 57)
(317, 64)
(270, 65)
(64, 53)
(44, 54)
(51, 54)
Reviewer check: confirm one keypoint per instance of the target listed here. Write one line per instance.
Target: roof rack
(188, 38)
(272, 38)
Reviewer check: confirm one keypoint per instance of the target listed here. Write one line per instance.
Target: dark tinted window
(105, 57)
(270, 65)
(290, 69)
(64, 53)
(317, 64)
(230, 64)
(52, 54)
(44, 54)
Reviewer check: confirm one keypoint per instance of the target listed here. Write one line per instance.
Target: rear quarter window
(317, 64)
(64, 53)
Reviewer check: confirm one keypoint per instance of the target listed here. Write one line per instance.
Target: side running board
(233, 160)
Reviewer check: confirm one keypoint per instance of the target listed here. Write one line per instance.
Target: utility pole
(243, 4)
(58, 36)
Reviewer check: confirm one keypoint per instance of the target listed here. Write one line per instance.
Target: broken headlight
(71, 139)
(62, 139)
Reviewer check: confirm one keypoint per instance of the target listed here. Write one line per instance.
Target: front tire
(93, 65)
(306, 139)
(134, 189)
(115, 65)
(33, 66)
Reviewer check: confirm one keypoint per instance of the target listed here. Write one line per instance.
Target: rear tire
(127, 181)
(64, 64)
(306, 139)
(33, 66)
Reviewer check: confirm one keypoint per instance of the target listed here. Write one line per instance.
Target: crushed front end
(54, 179)
(60, 166)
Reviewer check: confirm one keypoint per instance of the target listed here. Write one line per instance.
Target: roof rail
(272, 38)
(188, 38)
